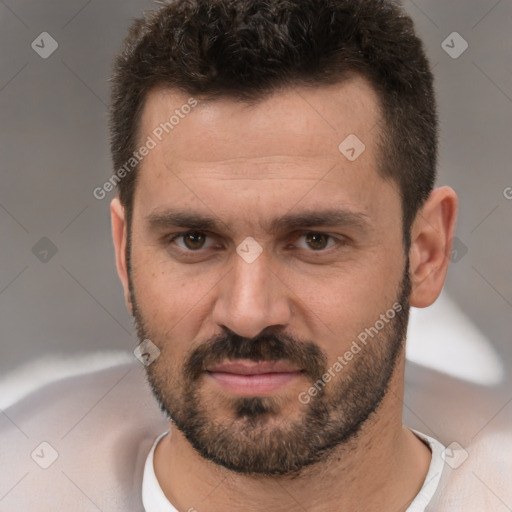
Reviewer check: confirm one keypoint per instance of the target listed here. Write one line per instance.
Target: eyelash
(341, 241)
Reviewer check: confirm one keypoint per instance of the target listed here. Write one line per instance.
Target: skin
(245, 165)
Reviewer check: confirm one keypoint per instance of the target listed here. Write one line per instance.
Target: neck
(381, 469)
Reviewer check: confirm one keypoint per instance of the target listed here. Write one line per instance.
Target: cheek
(339, 308)
(172, 300)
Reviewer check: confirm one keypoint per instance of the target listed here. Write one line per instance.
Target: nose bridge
(251, 297)
(249, 282)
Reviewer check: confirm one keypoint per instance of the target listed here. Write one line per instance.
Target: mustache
(267, 347)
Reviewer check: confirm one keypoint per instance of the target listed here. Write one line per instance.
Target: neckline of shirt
(154, 499)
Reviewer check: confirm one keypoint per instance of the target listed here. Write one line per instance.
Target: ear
(120, 236)
(431, 245)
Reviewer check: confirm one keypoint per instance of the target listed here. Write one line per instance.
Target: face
(269, 270)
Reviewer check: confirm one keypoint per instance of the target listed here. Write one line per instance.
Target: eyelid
(339, 239)
(171, 238)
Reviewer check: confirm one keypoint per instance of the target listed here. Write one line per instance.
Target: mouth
(249, 378)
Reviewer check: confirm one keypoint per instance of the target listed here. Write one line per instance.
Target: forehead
(303, 121)
(296, 137)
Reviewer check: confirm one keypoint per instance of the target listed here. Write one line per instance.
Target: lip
(249, 378)
(253, 367)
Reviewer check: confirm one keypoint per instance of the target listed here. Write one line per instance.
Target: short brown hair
(246, 49)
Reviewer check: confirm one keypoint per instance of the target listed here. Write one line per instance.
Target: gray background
(54, 152)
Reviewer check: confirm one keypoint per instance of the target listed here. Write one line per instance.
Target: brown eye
(193, 240)
(317, 241)
(189, 241)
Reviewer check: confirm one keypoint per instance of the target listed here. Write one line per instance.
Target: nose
(252, 297)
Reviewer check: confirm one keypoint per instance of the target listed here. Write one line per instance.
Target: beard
(253, 435)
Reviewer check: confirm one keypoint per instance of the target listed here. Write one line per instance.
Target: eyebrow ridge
(197, 221)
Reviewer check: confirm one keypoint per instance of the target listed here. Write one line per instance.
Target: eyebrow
(196, 221)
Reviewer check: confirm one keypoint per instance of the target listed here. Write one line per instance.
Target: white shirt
(155, 501)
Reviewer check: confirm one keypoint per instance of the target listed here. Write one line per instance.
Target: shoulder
(476, 477)
(474, 423)
(80, 439)
(451, 409)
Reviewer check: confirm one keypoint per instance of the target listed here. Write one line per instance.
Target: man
(276, 220)
(281, 212)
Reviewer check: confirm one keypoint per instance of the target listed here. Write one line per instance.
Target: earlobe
(431, 244)
(119, 237)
